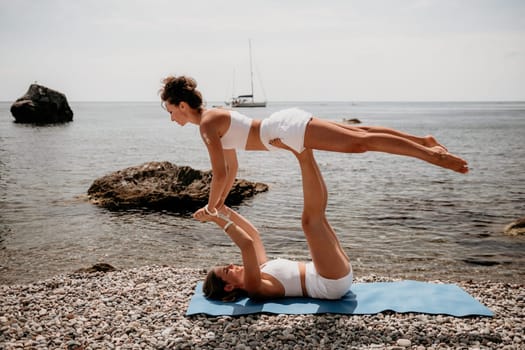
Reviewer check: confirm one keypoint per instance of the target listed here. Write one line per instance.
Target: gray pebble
(404, 342)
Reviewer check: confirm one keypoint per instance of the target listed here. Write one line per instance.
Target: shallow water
(395, 216)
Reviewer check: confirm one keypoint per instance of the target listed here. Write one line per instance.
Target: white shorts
(323, 288)
(289, 125)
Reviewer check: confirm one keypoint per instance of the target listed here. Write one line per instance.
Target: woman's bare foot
(449, 161)
(430, 141)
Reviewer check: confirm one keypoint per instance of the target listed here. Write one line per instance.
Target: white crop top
(237, 135)
(287, 272)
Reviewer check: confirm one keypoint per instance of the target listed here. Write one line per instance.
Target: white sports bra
(237, 135)
(287, 272)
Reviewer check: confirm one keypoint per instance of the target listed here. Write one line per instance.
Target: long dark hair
(213, 288)
(181, 89)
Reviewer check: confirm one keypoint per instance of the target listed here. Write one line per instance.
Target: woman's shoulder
(215, 117)
(269, 288)
(216, 113)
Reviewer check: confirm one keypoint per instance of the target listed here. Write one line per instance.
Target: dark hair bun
(184, 83)
(181, 89)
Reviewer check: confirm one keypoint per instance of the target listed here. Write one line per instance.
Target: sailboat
(247, 100)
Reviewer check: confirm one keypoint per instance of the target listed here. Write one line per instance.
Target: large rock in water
(41, 105)
(163, 186)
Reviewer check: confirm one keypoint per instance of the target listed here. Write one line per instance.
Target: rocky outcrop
(163, 186)
(41, 105)
(515, 228)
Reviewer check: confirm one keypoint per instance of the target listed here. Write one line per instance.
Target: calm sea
(395, 216)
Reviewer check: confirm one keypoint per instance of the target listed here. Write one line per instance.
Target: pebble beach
(144, 308)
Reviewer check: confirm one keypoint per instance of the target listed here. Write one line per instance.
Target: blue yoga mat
(362, 299)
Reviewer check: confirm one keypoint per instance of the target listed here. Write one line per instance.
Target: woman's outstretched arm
(230, 157)
(250, 229)
(211, 138)
(246, 243)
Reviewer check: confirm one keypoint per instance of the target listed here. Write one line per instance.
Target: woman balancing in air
(328, 276)
(225, 131)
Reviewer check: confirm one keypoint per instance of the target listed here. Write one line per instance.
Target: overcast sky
(384, 50)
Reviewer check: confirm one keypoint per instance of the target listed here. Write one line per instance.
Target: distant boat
(247, 100)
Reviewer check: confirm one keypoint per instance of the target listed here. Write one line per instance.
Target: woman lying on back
(327, 276)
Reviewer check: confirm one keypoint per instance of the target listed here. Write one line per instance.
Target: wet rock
(99, 267)
(163, 186)
(41, 105)
(515, 228)
(351, 121)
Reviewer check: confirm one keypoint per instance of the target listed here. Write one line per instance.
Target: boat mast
(251, 69)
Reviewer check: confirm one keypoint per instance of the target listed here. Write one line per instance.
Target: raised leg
(327, 136)
(327, 254)
(428, 141)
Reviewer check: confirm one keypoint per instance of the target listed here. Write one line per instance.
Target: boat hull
(248, 104)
